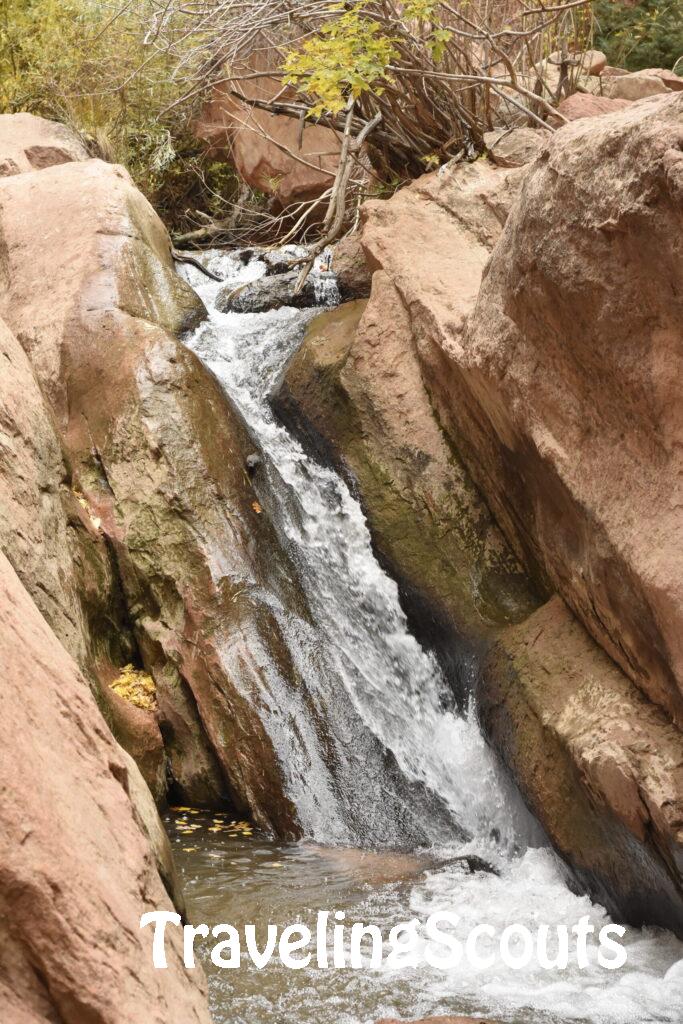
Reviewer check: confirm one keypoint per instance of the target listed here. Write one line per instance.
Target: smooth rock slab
(76, 867)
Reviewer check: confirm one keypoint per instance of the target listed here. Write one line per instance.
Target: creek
(397, 788)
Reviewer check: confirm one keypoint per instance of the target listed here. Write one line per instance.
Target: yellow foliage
(136, 687)
(348, 57)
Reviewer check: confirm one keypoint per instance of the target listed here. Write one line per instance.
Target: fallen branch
(183, 257)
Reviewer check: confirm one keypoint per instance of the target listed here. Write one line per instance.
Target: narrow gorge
(364, 596)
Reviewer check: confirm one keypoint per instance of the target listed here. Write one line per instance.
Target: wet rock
(475, 864)
(77, 871)
(355, 386)
(514, 148)
(599, 765)
(270, 292)
(252, 463)
(157, 456)
(277, 263)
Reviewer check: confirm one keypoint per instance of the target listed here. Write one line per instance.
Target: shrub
(85, 63)
(649, 35)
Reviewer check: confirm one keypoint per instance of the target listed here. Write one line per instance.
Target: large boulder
(566, 386)
(635, 86)
(76, 869)
(514, 148)
(290, 160)
(156, 454)
(30, 143)
(671, 80)
(581, 104)
(560, 389)
(600, 766)
(48, 532)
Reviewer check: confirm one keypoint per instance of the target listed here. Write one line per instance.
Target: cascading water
(400, 754)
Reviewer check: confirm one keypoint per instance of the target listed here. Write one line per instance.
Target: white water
(375, 667)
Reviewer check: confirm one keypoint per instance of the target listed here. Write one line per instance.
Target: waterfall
(397, 767)
(380, 691)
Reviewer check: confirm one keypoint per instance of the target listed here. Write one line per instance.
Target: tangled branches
(407, 85)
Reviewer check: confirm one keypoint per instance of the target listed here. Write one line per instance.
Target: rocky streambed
(381, 691)
(379, 576)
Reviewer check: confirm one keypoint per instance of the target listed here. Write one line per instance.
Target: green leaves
(645, 36)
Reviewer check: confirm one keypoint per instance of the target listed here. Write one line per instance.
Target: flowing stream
(406, 762)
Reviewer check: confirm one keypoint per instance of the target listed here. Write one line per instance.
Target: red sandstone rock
(137, 730)
(158, 454)
(559, 709)
(557, 379)
(593, 62)
(635, 86)
(76, 871)
(671, 80)
(565, 391)
(515, 148)
(581, 104)
(270, 152)
(29, 143)
(572, 365)
(353, 275)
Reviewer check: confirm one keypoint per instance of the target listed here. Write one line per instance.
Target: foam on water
(397, 692)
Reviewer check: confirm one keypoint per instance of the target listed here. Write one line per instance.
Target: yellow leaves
(431, 160)
(217, 823)
(82, 501)
(348, 57)
(137, 688)
(257, 508)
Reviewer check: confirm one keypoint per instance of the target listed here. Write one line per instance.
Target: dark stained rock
(269, 292)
